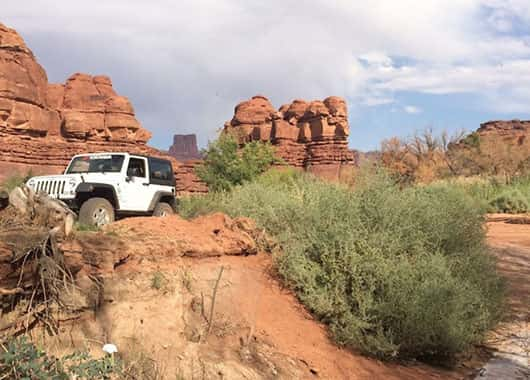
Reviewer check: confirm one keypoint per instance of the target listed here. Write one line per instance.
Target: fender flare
(158, 195)
(90, 187)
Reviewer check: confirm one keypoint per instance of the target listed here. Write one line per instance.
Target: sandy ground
(509, 237)
(258, 329)
(276, 317)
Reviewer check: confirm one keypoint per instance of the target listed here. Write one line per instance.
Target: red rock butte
(185, 147)
(310, 135)
(42, 125)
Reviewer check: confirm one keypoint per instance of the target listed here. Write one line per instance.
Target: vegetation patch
(225, 165)
(396, 273)
(495, 194)
(21, 359)
(14, 181)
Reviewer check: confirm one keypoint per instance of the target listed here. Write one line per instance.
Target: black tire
(96, 212)
(163, 209)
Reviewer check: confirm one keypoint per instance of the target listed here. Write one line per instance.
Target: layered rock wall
(43, 125)
(310, 135)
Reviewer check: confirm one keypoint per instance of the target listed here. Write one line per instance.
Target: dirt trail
(509, 237)
(276, 317)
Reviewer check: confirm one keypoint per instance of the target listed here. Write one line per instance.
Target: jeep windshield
(96, 164)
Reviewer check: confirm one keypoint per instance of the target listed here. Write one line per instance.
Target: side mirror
(128, 179)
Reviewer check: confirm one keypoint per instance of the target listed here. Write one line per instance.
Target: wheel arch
(163, 196)
(87, 190)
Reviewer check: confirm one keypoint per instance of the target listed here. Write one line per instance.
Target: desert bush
(21, 359)
(158, 280)
(421, 158)
(495, 193)
(81, 227)
(393, 272)
(225, 165)
(14, 181)
(511, 202)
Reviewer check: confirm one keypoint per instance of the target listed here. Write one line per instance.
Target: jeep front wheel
(163, 209)
(96, 212)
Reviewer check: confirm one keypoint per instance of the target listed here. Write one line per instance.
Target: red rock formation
(310, 135)
(185, 147)
(23, 87)
(497, 147)
(43, 125)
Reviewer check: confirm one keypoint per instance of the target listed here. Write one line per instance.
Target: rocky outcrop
(310, 135)
(23, 90)
(185, 147)
(85, 108)
(515, 130)
(92, 110)
(497, 147)
(43, 125)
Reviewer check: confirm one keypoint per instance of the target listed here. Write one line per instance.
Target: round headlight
(31, 183)
(72, 182)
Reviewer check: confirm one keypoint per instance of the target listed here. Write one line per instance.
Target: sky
(402, 65)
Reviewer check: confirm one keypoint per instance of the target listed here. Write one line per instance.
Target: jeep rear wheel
(96, 212)
(163, 209)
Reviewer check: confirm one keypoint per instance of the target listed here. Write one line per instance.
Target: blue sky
(402, 65)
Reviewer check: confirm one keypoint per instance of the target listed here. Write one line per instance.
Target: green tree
(226, 165)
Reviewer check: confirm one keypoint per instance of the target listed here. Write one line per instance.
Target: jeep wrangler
(104, 186)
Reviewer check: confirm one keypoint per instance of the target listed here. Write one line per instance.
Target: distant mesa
(185, 147)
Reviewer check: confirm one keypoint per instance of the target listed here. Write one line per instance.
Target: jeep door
(136, 192)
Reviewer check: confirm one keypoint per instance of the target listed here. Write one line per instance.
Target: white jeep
(103, 186)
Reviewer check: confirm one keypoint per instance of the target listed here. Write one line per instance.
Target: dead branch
(10, 292)
(212, 307)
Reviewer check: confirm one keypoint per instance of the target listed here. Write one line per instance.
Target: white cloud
(412, 109)
(186, 63)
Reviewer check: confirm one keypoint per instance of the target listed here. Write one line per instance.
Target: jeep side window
(160, 170)
(136, 168)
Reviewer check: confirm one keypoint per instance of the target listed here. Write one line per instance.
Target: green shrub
(496, 194)
(511, 202)
(21, 359)
(81, 227)
(394, 273)
(158, 280)
(14, 181)
(225, 165)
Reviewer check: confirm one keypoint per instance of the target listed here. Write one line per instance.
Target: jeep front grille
(53, 188)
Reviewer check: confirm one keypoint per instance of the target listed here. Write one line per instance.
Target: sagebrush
(393, 272)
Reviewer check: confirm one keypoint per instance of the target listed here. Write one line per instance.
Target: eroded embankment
(197, 299)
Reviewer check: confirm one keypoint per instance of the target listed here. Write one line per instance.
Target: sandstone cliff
(43, 125)
(310, 135)
(497, 147)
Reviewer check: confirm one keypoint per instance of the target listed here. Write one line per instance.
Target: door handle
(145, 184)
